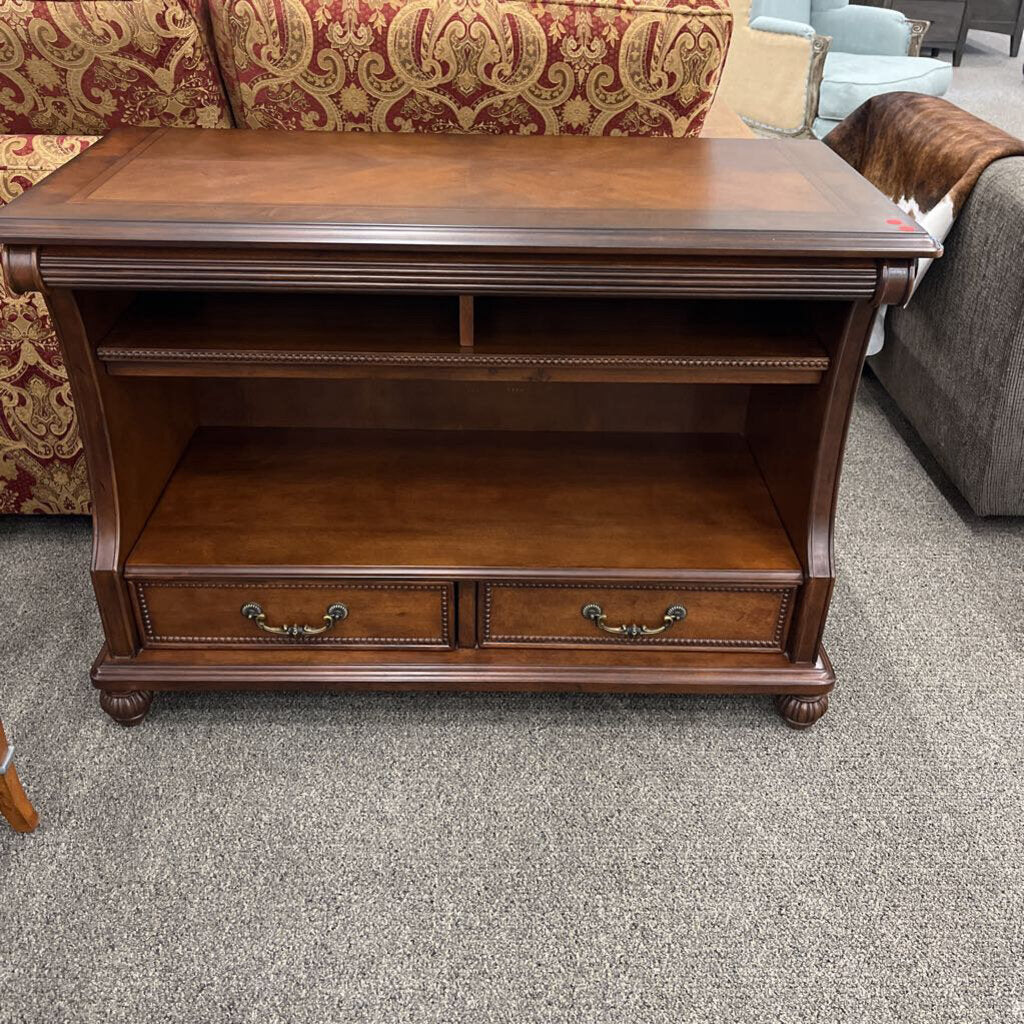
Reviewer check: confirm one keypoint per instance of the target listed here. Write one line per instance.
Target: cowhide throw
(925, 154)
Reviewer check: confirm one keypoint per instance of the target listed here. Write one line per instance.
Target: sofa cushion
(852, 78)
(85, 67)
(582, 67)
(41, 464)
(823, 125)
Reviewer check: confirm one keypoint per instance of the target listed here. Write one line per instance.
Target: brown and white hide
(925, 154)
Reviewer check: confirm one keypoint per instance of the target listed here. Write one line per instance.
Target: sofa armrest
(954, 358)
(41, 464)
(918, 30)
(772, 77)
(870, 30)
(82, 68)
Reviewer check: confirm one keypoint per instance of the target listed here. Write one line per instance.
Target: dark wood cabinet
(948, 21)
(462, 412)
(1003, 16)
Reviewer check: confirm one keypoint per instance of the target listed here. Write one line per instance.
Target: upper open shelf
(463, 338)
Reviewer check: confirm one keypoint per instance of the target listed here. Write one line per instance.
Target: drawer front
(209, 613)
(689, 616)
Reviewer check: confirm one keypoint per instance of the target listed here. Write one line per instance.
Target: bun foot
(126, 707)
(801, 712)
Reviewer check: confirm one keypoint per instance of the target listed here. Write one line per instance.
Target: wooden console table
(461, 412)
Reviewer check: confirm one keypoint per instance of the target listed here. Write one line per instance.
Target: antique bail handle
(335, 613)
(673, 614)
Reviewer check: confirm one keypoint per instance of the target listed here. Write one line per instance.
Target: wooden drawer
(209, 613)
(696, 616)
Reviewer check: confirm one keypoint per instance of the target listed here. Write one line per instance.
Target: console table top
(216, 188)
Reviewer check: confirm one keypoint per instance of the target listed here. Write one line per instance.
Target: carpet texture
(450, 858)
(989, 82)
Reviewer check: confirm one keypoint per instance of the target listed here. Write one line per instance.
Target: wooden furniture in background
(946, 22)
(1003, 16)
(14, 805)
(462, 411)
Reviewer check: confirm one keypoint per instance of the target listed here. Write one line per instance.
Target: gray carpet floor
(989, 82)
(480, 858)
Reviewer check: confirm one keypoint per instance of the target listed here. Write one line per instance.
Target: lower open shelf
(461, 505)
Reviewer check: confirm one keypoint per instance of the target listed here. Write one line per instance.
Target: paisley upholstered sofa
(71, 70)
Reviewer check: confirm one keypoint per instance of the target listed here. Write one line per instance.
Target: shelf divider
(466, 321)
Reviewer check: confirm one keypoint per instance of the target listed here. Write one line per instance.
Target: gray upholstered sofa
(954, 359)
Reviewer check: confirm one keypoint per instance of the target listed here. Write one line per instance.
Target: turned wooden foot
(14, 805)
(801, 712)
(126, 707)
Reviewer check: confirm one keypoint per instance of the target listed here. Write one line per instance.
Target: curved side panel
(797, 436)
(133, 436)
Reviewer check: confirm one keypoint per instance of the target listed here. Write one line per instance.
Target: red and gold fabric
(582, 67)
(41, 463)
(86, 66)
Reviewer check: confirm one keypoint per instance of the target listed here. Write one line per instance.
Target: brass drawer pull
(675, 613)
(335, 613)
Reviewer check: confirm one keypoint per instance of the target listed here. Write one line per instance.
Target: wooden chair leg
(14, 805)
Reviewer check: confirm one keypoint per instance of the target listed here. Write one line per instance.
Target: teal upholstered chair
(870, 50)
(870, 54)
